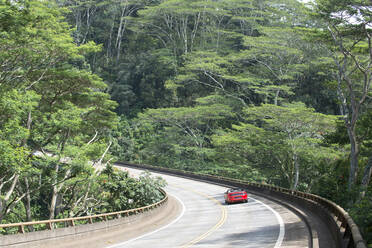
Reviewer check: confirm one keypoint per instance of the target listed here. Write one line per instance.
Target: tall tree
(282, 138)
(348, 26)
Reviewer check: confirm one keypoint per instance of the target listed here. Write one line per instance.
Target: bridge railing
(345, 232)
(68, 222)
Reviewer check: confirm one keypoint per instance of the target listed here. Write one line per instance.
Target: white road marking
(281, 224)
(155, 231)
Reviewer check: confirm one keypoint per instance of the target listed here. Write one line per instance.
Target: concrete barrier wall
(33, 238)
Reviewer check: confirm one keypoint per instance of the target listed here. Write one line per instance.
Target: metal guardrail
(346, 233)
(50, 224)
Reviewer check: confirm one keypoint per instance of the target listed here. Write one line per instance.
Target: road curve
(206, 221)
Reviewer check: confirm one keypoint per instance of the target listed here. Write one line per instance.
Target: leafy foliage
(55, 118)
(240, 88)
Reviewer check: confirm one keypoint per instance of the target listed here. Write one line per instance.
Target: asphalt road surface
(205, 221)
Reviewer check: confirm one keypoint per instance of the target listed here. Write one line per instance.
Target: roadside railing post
(50, 225)
(21, 229)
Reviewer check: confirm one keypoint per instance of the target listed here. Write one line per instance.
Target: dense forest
(269, 91)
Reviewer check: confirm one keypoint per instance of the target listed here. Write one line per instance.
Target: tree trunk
(120, 33)
(53, 203)
(276, 97)
(4, 199)
(27, 203)
(297, 172)
(354, 153)
(366, 178)
(109, 53)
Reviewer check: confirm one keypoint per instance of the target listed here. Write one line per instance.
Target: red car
(236, 195)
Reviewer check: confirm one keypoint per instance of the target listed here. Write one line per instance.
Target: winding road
(205, 221)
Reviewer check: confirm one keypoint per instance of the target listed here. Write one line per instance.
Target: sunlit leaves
(47, 101)
(276, 137)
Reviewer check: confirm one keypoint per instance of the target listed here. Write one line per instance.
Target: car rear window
(236, 194)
